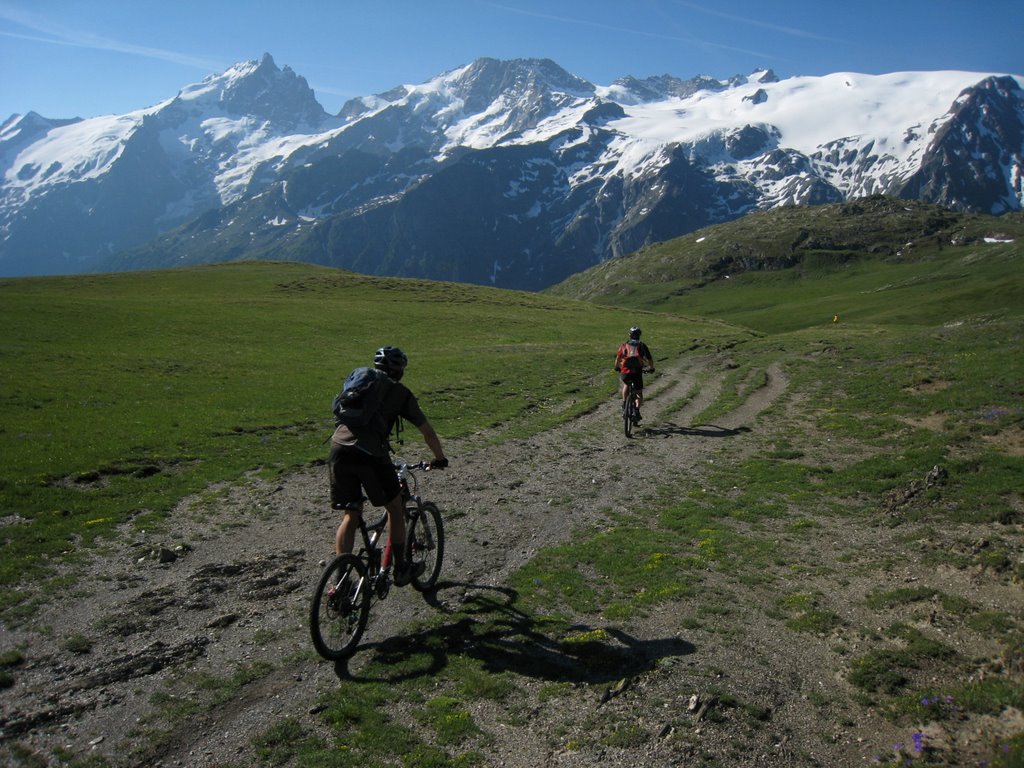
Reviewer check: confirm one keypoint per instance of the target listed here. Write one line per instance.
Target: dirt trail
(238, 598)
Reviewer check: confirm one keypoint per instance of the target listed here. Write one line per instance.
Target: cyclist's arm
(650, 359)
(432, 440)
(412, 413)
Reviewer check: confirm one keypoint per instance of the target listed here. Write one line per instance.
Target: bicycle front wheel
(426, 543)
(340, 607)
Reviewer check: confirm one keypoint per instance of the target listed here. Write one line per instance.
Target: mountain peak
(541, 71)
(484, 103)
(19, 131)
(763, 76)
(481, 82)
(633, 90)
(33, 120)
(261, 89)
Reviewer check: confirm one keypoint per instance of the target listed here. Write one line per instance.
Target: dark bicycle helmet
(634, 332)
(392, 361)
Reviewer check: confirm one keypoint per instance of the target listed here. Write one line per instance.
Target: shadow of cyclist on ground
(488, 626)
(706, 430)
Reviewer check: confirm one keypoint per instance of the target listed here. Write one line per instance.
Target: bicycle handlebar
(424, 465)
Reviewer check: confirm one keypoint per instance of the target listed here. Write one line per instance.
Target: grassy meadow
(121, 393)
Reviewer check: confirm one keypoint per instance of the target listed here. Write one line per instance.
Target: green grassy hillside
(870, 261)
(121, 393)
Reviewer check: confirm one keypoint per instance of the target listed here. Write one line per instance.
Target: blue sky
(67, 58)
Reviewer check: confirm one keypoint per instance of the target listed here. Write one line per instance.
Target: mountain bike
(340, 610)
(631, 408)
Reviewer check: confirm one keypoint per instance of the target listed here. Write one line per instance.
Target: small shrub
(805, 615)
(878, 672)
(452, 722)
(991, 622)
(78, 644)
(886, 670)
(476, 683)
(1009, 754)
(815, 620)
(280, 742)
(997, 558)
(990, 696)
(11, 658)
(626, 737)
(898, 597)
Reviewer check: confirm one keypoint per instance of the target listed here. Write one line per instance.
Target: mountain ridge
(564, 174)
(798, 240)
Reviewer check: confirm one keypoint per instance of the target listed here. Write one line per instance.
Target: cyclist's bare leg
(346, 535)
(396, 526)
(405, 571)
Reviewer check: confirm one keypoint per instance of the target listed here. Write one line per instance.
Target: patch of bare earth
(198, 637)
(1009, 440)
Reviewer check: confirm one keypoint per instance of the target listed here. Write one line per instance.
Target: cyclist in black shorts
(360, 465)
(630, 361)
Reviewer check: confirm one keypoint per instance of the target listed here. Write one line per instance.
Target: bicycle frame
(379, 559)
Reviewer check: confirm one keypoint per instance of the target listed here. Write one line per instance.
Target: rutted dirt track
(237, 596)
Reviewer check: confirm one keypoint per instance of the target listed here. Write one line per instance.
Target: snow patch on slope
(71, 153)
(808, 111)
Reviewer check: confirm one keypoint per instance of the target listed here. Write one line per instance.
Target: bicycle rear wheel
(426, 543)
(340, 607)
(628, 415)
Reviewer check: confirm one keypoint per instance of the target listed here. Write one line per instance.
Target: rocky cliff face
(975, 160)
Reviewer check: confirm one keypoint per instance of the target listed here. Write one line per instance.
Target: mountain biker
(359, 464)
(631, 360)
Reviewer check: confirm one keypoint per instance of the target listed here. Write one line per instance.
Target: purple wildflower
(918, 742)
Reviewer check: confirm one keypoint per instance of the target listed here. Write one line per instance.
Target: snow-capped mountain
(76, 191)
(515, 173)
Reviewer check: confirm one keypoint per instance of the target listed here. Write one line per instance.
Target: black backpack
(358, 405)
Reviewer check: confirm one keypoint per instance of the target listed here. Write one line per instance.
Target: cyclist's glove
(439, 463)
